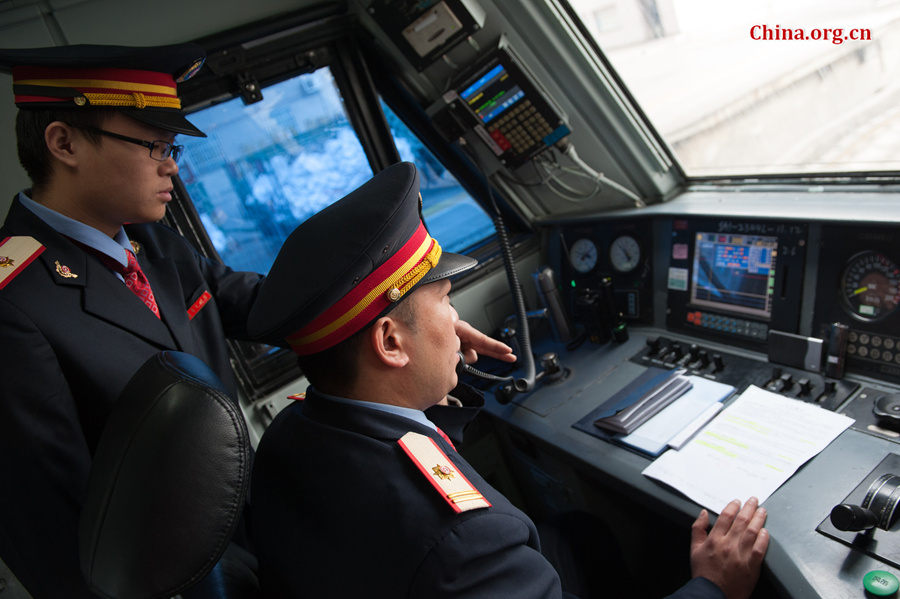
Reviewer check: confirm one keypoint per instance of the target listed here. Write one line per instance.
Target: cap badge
(394, 294)
(6, 261)
(190, 71)
(443, 472)
(79, 100)
(64, 271)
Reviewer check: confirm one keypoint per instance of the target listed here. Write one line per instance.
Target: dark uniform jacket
(68, 346)
(339, 510)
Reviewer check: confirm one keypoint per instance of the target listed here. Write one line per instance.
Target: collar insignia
(64, 271)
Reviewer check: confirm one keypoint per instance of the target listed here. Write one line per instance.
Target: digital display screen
(734, 273)
(492, 93)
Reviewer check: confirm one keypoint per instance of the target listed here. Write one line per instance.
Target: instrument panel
(613, 258)
(858, 284)
(735, 280)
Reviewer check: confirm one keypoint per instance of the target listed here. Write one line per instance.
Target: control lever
(878, 508)
(853, 517)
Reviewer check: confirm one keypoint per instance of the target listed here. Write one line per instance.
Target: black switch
(827, 390)
(805, 387)
(703, 356)
(718, 364)
(787, 379)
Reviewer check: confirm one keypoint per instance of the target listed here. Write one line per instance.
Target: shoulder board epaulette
(440, 471)
(16, 253)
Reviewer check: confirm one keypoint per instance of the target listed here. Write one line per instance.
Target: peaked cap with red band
(350, 264)
(138, 81)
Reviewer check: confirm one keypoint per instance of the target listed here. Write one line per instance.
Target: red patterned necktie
(138, 283)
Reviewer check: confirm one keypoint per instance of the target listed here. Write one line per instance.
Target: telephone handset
(463, 368)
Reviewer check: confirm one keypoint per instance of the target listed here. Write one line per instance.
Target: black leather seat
(167, 489)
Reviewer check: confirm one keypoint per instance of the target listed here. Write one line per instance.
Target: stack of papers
(750, 449)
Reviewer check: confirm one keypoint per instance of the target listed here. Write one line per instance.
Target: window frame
(263, 54)
(277, 49)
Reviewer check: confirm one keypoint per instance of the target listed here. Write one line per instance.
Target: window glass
(757, 87)
(453, 218)
(267, 167)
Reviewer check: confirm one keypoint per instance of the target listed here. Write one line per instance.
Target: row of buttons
(878, 348)
(727, 324)
(520, 129)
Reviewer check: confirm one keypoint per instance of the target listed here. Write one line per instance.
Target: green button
(881, 583)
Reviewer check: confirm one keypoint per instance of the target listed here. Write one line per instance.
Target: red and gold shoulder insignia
(453, 486)
(16, 253)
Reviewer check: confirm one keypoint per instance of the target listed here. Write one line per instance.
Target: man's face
(122, 183)
(433, 340)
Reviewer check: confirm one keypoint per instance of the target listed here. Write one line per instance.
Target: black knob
(703, 356)
(805, 386)
(718, 364)
(505, 393)
(694, 350)
(829, 387)
(676, 351)
(852, 517)
(550, 362)
(653, 343)
(787, 381)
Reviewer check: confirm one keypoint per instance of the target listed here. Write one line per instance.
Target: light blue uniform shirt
(411, 413)
(114, 247)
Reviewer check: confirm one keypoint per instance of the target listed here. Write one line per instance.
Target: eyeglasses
(159, 150)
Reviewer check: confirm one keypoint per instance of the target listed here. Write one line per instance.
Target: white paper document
(750, 449)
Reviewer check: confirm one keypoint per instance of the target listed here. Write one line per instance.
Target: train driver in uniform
(356, 493)
(90, 285)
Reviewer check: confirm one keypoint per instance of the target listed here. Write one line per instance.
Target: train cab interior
(647, 185)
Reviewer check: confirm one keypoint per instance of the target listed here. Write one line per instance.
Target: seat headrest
(167, 483)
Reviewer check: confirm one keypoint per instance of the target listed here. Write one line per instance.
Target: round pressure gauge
(583, 255)
(624, 253)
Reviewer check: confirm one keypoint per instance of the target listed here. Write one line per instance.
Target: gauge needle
(861, 290)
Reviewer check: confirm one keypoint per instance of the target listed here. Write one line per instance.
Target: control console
(741, 372)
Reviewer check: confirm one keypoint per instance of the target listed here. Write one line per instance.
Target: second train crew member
(355, 492)
(91, 287)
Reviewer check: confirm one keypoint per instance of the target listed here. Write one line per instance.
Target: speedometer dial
(870, 286)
